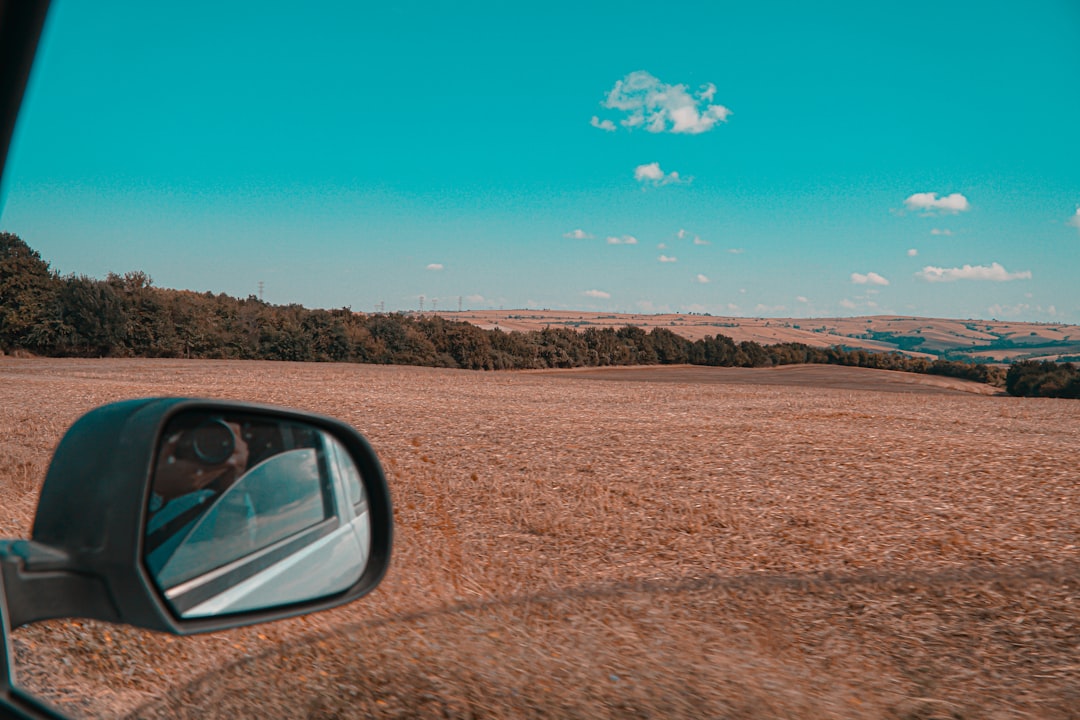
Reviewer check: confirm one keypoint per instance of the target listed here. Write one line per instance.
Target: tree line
(126, 316)
(1035, 378)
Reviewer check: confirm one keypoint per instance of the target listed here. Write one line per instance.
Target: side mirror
(187, 516)
(249, 512)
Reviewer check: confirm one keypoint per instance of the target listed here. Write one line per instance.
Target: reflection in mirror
(250, 512)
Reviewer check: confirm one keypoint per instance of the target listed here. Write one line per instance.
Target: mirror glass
(249, 512)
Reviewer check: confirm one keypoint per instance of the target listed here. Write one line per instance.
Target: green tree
(96, 315)
(27, 294)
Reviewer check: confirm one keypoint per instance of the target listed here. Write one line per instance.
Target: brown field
(644, 542)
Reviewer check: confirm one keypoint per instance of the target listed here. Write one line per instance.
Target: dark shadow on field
(809, 376)
(902, 644)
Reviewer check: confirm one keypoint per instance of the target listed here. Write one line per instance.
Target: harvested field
(664, 542)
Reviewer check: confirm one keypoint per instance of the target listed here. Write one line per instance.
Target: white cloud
(801, 298)
(939, 231)
(702, 279)
(666, 259)
(474, 298)
(848, 304)
(681, 234)
(736, 251)
(651, 174)
(732, 308)
(599, 294)
(623, 240)
(650, 171)
(1074, 220)
(912, 252)
(435, 266)
(871, 278)
(699, 241)
(602, 124)
(994, 272)
(1000, 311)
(659, 107)
(578, 234)
(930, 203)
(645, 306)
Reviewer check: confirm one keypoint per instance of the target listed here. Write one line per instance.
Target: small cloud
(648, 306)
(474, 298)
(732, 308)
(435, 266)
(666, 259)
(623, 240)
(1001, 311)
(1075, 219)
(848, 304)
(602, 124)
(599, 294)
(930, 204)
(763, 309)
(660, 107)
(939, 231)
(651, 174)
(681, 234)
(871, 278)
(661, 246)
(912, 252)
(993, 272)
(736, 251)
(802, 299)
(699, 241)
(578, 234)
(701, 279)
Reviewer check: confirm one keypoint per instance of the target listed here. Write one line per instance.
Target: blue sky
(748, 159)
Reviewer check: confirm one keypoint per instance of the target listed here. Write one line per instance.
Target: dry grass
(670, 545)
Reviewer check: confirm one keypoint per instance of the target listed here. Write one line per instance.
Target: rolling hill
(979, 340)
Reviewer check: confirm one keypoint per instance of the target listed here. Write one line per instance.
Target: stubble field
(670, 542)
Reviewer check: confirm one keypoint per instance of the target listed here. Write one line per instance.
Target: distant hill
(978, 340)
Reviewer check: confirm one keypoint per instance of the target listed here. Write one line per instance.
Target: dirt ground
(664, 542)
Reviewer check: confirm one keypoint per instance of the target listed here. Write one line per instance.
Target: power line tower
(434, 304)
(421, 303)
(459, 303)
(260, 290)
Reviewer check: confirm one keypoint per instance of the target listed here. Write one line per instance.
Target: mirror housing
(85, 557)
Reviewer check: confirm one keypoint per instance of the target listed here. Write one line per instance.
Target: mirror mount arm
(14, 702)
(39, 585)
(35, 556)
